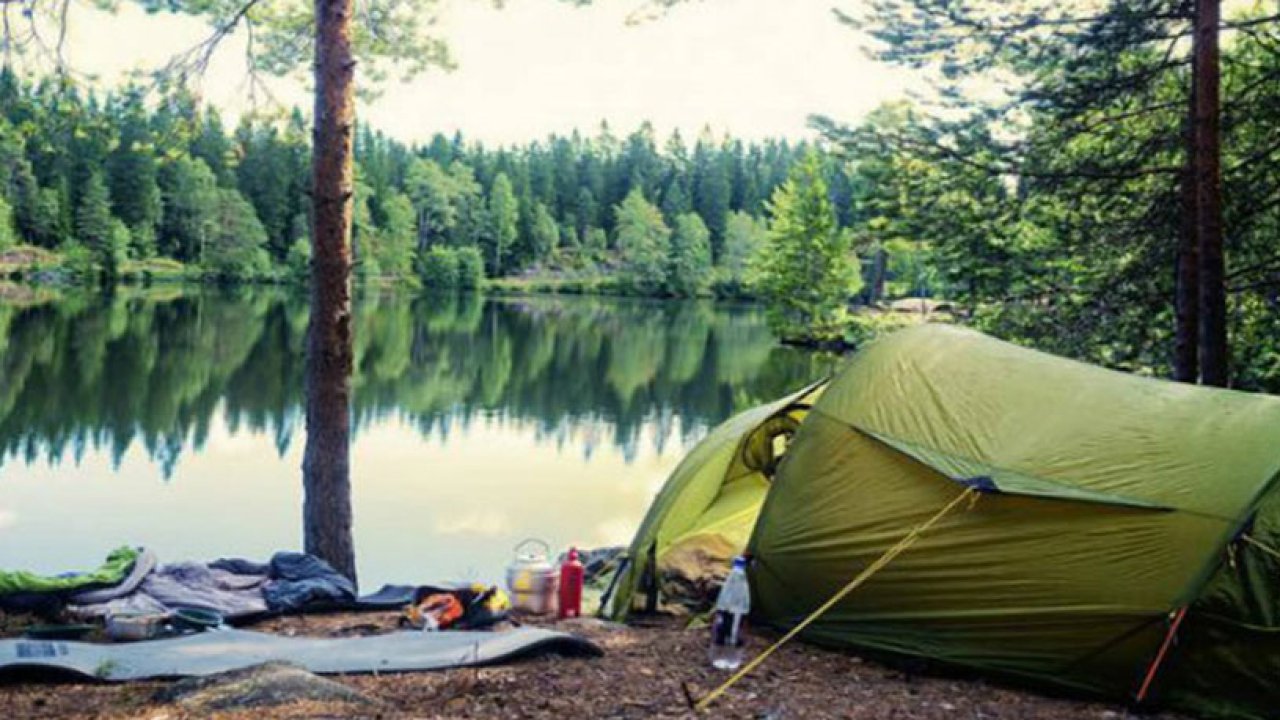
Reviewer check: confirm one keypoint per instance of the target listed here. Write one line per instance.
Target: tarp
(1109, 501)
(222, 650)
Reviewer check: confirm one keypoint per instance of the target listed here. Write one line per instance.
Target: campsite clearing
(640, 676)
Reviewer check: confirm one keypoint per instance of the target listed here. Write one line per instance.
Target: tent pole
(1164, 649)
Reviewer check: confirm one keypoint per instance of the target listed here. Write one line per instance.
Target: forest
(1058, 214)
(113, 184)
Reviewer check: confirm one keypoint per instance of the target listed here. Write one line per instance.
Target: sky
(752, 68)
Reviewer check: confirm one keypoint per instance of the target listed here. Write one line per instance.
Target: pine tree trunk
(1186, 360)
(1208, 157)
(326, 462)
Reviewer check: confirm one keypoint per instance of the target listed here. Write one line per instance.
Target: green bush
(864, 327)
(78, 259)
(446, 268)
(438, 268)
(470, 264)
(299, 259)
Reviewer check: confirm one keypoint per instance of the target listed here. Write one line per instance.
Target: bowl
(189, 618)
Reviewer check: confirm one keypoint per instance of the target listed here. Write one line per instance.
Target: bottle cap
(739, 563)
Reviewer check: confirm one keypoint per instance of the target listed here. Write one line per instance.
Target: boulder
(264, 685)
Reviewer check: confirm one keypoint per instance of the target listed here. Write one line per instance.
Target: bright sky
(754, 68)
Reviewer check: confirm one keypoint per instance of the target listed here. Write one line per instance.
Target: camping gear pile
(132, 582)
(169, 606)
(539, 587)
(133, 597)
(951, 498)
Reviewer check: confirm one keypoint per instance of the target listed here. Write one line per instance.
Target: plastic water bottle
(728, 627)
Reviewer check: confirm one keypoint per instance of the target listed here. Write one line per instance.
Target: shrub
(438, 268)
(470, 264)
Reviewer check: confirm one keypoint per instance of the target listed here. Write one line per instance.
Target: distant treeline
(115, 181)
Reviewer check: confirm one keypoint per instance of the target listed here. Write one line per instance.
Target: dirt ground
(643, 674)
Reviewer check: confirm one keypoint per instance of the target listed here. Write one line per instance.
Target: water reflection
(82, 371)
(160, 416)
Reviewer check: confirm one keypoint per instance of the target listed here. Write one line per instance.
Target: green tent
(1117, 517)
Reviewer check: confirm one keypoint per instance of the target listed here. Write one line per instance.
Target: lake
(172, 418)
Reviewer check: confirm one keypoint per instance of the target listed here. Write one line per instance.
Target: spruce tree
(93, 216)
(807, 272)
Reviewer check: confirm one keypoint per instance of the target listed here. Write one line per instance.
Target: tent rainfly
(1121, 544)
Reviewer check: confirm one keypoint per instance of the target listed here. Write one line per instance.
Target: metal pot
(532, 579)
(135, 626)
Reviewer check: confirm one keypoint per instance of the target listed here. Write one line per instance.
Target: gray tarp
(223, 650)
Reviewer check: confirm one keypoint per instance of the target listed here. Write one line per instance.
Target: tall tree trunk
(1186, 351)
(1208, 173)
(326, 465)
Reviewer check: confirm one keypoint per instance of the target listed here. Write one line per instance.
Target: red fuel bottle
(571, 586)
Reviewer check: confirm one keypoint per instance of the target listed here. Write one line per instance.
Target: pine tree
(93, 216)
(131, 169)
(807, 271)
(711, 193)
(213, 146)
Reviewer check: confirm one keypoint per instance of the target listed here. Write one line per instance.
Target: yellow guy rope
(888, 556)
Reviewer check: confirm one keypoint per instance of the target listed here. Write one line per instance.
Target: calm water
(173, 419)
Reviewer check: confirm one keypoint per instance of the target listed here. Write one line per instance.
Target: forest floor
(643, 674)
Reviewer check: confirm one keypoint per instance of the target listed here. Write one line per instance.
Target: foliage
(643, 241)
(545, 237)
(865, 327)
(1052, 206)
(447, 268)
(504, 223)
(744, 236)
(689, 263)
(544, 207)
(237, 243)
(8, 231)
(470, 268)
(298, 261)
(806, 272)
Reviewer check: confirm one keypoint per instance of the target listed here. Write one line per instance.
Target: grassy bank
(33, 265)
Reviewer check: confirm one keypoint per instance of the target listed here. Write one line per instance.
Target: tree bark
(1208, 173)
(326, 465)
(1186, 351)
